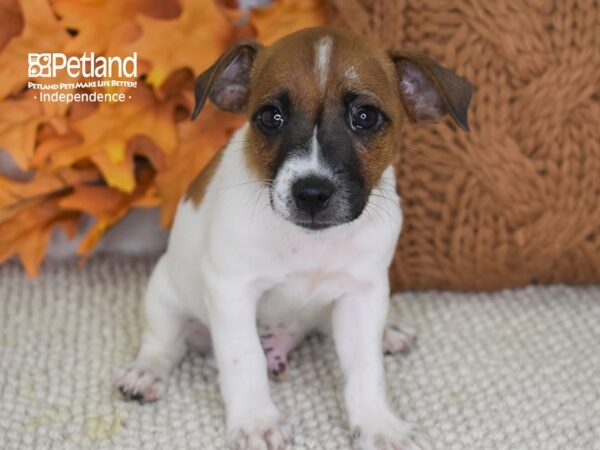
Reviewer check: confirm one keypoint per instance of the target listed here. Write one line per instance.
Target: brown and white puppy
(293, 226)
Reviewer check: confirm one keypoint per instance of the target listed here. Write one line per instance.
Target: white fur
(323, 55)
(352, 74)
(295, 168)
(232, 259)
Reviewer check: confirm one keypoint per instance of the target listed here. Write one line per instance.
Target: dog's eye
(270, 119)
(366, 118)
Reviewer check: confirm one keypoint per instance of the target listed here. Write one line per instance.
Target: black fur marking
(339, 151)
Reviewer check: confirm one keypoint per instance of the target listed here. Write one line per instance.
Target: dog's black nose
(312, 193)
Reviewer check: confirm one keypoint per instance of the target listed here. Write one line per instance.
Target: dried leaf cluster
(104, 159)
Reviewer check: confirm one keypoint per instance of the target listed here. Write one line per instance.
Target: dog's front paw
(267, 434)
(140, 384)
(389, 433)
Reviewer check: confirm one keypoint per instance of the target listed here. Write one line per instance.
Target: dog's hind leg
(197, 337)
(285, 317)
(163, 343)
(277, 341)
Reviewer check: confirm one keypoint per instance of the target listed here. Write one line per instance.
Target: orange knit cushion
(518, 199)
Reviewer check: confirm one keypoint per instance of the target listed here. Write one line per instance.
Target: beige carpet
(512, 370)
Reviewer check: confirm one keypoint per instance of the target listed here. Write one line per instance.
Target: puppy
(292, 226)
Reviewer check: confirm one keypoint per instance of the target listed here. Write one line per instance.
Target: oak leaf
(107, 205)
(286, 16)
(102, 26)
(195, 39)
(26, 230)
(107, 132)
(42, 185)
(11, 21)
(42, 33)
(19, 122)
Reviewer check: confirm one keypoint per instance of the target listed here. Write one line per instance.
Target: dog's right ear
(228, 80)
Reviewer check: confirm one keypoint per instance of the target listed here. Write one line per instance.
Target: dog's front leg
(358, 323)
(253, 421)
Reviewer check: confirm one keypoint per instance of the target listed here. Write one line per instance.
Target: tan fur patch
(197, 188)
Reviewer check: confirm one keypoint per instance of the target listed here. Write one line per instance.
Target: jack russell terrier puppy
(292, 227)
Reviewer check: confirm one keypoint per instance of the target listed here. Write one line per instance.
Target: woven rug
(510, 370)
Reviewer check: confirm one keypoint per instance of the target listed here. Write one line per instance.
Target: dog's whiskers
(257, 196)
(265, 182)
(380, 209)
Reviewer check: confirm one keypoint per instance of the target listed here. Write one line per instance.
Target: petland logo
(50, 64)
(102, 70)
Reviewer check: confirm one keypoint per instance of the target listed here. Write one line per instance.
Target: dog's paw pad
(276, 346)
(139, 384)
(398, 339)
(271, 437)
(278, 368)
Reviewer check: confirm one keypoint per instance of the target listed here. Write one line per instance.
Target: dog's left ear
(227, 81)
(429, 90)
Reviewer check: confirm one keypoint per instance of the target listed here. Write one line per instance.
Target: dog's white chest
(235, 233)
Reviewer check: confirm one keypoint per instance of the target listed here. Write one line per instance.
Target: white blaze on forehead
(308, 163)
(314, 150)
(323, 56)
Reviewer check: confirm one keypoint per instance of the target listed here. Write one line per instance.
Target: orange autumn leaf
(124, 169)
(103, 25)
(11, 21)
(195, 39)
(98, 201)
(108, 131)
(26, 230)
(42, 184)
(97, 24)
(42, 33)
(106, 204)
(69, 224)
(35, 244)
(29, 210)
(51, 139)
(51, 143)
(19, 121)
(286, 16)
(144, 146)
(117, 167)
(115, 206)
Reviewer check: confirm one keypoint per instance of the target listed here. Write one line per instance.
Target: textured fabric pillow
(518, 199)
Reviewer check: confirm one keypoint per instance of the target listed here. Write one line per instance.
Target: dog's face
(325, 110)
